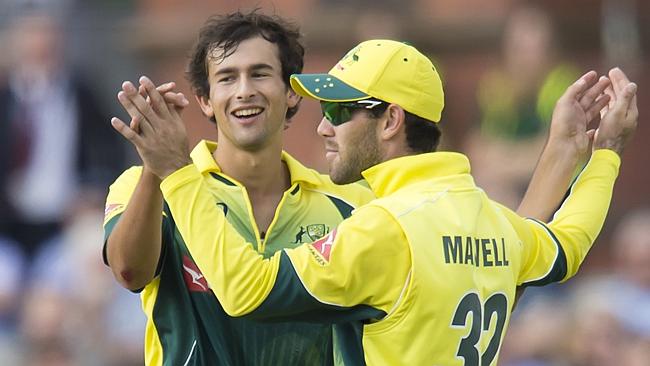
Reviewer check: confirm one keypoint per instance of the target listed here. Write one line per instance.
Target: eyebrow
(254, 67)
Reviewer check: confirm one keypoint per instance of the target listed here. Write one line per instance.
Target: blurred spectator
(631, 247)
(538, 319)
(604, 320)
(72, 307)
(515, 101)
(55, 142)
(11, 275)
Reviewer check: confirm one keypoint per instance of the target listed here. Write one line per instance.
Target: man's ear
(206, 107)
(292, 98)
(392, 122)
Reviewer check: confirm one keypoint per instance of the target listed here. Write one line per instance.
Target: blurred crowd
(63, 61)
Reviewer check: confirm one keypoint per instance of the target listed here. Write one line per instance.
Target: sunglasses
(339, 113)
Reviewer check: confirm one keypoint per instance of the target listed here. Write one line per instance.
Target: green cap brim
(325, 87)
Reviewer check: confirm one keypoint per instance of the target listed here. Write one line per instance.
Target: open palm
(578, 106)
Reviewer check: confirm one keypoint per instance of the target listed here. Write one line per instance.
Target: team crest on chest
(317, 231)
(313, 232)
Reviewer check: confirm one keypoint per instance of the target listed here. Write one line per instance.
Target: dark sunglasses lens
(335, 113)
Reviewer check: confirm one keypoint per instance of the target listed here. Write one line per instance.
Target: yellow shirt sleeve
(554, 252)
(360, 274)
(365, 261)
(120, 192)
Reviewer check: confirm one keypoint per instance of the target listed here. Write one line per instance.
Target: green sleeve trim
(344, 209)
(166, 237)
(289, 300)
(559, 270)
(108, 229)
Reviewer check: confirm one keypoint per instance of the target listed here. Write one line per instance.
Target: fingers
(142, 121)
(125, 131)
(178, 100)
(162, 89)
(629, 101)
(596, 106)
(595, 91)
(633, 109)
(135, 124)
(624, 99)
(574, 91)
(609, 91)
(157, 102)
(619, 79)
(166, 87)
(139, 103)
(620, 122)
(622, 85)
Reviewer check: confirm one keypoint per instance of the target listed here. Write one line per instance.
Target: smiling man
(239, 71)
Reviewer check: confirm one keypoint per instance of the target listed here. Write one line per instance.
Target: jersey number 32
(482, 314)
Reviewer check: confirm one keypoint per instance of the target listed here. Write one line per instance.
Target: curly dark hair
(226, 32)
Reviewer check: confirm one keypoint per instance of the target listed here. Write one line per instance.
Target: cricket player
(215, 192)
(271, 198)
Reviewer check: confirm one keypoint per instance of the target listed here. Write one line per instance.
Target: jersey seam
(557, 254)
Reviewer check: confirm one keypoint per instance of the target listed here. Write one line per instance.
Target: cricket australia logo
(313, 231)
(317, 231)
(350, 58)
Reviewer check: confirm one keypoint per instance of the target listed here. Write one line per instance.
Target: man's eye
(260, 75)
(226, 79)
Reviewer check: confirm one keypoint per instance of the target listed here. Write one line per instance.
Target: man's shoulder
(128, 177)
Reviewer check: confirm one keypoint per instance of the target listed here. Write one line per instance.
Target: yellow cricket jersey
(424, 275)
(186, 323)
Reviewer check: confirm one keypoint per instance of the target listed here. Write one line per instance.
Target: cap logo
(349, 58)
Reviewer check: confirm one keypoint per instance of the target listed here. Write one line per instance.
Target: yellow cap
(391, 71)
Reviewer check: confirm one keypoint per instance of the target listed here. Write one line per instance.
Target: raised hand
(177, 100)
(567, 146)
(578, 106)
(160, 137)
(620, 117)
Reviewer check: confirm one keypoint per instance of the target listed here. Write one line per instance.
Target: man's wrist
(150, 176)
(613, 145)
(560, 152)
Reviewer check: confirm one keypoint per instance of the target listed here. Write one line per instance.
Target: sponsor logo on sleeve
(322, 248)
(112, 207)
(193, 277)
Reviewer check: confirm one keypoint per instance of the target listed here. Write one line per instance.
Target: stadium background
(62, 307)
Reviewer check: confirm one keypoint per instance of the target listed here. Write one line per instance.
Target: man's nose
(325, 128)
(245, 89)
